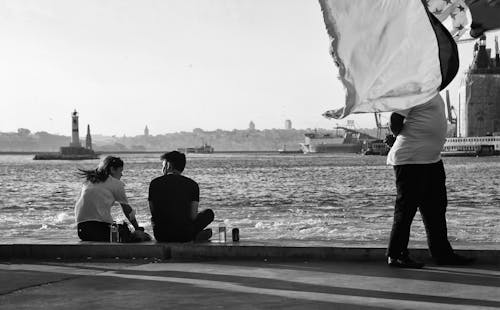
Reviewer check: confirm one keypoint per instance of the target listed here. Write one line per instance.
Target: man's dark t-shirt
(171, 196)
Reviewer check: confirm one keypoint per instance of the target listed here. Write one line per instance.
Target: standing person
(173, 202)
(100, 191)
(420, 181)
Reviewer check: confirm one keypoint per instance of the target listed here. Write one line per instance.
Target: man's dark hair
(176, 159)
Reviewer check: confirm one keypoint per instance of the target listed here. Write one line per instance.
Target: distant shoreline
(141, 152)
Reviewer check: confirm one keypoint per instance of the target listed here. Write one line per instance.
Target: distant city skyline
(146, 130)
(174, 65)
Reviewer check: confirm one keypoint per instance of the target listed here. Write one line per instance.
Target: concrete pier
(245, 275)
(244, 250)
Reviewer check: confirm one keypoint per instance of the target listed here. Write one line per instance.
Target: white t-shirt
(423, 135)
(96, 200)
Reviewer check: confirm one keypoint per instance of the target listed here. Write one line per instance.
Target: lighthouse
(75, 137)
(74, 151)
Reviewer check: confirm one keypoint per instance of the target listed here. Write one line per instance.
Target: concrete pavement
(230, 284)
(246, 275)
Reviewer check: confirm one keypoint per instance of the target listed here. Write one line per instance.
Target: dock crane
(380, 127)
(452, 116)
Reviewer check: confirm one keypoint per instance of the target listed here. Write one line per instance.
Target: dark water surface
(304, 197)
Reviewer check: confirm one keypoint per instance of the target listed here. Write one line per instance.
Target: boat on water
(351, 141)
(466, 146)
(376, 147)
(284, 150)
(204, 149)
(74, 151)
(472, 146)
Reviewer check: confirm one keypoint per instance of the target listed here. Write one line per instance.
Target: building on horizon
(288, 124)
(477, 131)
(146, 131)
(479, 114)
(251, 126)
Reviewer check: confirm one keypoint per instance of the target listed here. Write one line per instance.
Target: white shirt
(96, 200)
(423, 135)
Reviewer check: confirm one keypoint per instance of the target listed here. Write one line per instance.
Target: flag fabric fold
(454, 9)
(388, 54)
(473, 16)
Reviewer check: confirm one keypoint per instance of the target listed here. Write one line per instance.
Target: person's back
(96, 198)
(422, 136)
(102, 188)
(173, 202)
(172, 195)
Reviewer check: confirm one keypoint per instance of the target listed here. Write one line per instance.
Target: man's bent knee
(209, 214)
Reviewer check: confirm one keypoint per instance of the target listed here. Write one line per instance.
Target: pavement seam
(38, 285)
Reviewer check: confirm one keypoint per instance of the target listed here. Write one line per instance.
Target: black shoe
(204, 235)
(404, 262)
(455, 260)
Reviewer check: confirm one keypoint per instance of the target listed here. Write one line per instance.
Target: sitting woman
(100, 191)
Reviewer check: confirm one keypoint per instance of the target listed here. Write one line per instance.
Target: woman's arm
(130, 214)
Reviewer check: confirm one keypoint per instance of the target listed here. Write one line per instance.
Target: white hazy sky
(169, 64)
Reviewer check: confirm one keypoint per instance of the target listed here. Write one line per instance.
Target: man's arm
(151, 192)
(151, 207)
(194, 209)
(396, 123)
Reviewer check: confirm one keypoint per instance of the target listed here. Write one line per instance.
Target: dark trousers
(420, 186)
(173, 234)
(93, 231)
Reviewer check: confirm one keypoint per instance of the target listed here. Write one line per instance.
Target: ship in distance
(286, 150)
(344, 140)
(205, 148)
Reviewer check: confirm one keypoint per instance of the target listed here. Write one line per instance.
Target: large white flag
(391, 54)
(456, 10)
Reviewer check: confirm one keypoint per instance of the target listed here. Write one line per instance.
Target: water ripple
(324, 197)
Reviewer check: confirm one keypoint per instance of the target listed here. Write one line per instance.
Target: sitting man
(173, 202)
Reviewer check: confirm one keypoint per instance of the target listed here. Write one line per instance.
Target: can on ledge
(235, 234)
(113, 233)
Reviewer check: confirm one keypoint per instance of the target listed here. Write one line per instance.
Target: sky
(173, 65)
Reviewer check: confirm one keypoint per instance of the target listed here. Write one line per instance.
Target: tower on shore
(75, 149)
(251, 126)
(288, 124)
(479, 115)
(146, 131)
(88, 139)
(75, 137)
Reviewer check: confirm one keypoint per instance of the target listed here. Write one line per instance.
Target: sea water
(337, 197)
